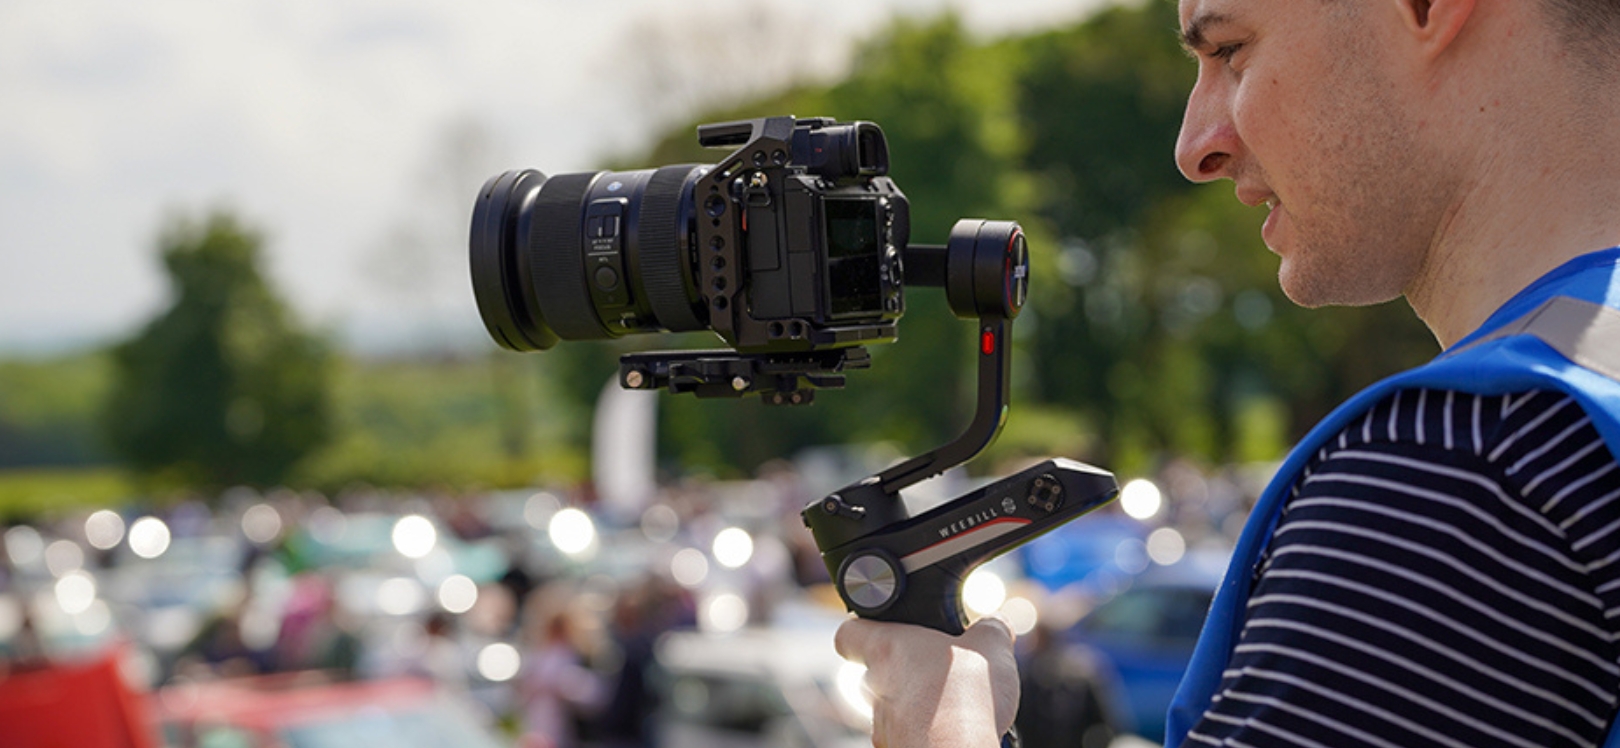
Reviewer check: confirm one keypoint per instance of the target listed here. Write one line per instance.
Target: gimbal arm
(889, 566)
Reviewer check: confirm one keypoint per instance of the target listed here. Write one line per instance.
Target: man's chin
(1313, 288)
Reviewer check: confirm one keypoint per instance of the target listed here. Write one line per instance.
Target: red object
(987, 342)
(264, 705)
(77, 705)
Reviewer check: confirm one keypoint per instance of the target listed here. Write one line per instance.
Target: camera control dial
(871, 581)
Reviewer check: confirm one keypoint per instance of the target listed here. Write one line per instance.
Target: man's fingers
(854, 639)
(990, 630)
(862, 641)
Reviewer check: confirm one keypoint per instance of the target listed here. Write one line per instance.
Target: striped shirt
(1445, 573)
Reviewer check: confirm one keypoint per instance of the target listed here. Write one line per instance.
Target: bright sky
(334, 125)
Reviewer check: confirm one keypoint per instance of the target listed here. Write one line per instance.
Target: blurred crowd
(540, 606)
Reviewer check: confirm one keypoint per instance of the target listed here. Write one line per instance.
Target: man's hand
(933, 690)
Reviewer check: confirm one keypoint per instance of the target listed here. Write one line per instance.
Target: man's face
(1298, 103)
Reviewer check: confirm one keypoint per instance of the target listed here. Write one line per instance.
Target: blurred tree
(222, 388)
(1155, 324)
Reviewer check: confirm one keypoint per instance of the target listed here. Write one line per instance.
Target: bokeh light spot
(1141, 499)
(149, 537)
(499, 662)
(458, 594)
(414, 536)
(733, 547)
(104, 530)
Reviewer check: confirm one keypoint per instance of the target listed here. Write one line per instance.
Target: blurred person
(302, 619)
(516, 580)
(641, 615)
(1435, 562)
(1058, 705)
(318, 632)
(466, 516)
(442, 660)
(220, 650)
(556, 691)
(25, 650)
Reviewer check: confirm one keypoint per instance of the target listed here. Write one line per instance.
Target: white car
(776, 687)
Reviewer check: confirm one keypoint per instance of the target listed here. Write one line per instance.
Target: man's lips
(1268, 231)
(1257, 197)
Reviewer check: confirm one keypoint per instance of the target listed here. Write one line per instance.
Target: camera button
(606, 278)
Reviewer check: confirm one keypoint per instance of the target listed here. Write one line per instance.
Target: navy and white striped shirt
(1446, 573)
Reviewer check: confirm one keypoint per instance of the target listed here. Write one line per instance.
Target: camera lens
(585, 256)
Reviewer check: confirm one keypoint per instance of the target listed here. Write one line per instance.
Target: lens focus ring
(663, 264)
(557, 254)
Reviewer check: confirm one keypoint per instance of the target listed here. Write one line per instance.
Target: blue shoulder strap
(1562, 332)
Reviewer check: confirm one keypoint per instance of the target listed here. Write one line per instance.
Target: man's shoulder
(1500, 429)
(1536, 449)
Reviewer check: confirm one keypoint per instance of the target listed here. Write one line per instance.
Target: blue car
(1114, 671)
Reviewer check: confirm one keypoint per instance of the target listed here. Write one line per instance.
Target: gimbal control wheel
(870, 581)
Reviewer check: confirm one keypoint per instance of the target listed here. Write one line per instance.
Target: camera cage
(767, 153)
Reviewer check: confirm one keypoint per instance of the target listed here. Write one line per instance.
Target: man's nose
(1208, 143)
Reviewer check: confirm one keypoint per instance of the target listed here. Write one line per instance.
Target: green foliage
(48, 411)
(40, 492)
(1100, 104)
(462, 422)
(1155, 318)
(222, 388)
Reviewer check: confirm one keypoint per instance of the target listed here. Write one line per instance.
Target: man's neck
(1531, 208)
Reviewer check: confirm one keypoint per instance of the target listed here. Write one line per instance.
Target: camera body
(791, 244)
(817, 230)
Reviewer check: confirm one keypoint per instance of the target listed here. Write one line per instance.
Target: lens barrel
(585, 256)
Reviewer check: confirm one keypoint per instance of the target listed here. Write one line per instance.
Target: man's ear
(1435, 23)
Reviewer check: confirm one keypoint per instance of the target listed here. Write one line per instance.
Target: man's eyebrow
(1192, 36)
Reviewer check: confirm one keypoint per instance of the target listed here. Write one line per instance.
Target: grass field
(44, 492)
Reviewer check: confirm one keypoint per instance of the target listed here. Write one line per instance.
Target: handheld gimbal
(892, 567)
(794, 249)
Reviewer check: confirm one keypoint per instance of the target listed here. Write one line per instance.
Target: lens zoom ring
(558, 257)
(664, 266)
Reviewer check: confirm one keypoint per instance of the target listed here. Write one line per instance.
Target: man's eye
(1225, 51)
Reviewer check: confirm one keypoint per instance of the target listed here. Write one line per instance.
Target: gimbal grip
(911, 570)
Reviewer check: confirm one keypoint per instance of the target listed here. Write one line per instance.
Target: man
(1439, 562)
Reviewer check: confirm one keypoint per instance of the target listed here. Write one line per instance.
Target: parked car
(1133, 649)
(776, 687)
(305, 710)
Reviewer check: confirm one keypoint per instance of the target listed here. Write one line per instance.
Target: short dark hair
(1592, 27)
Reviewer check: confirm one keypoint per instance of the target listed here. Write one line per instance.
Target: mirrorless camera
(793, 249)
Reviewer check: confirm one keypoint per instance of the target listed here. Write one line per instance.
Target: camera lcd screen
(854, 246)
